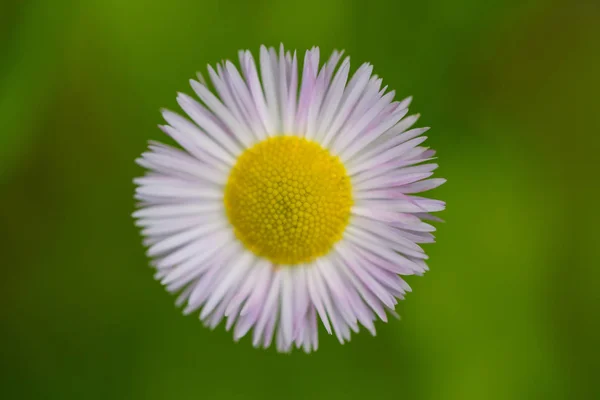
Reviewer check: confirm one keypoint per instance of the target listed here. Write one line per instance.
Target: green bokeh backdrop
(511, 306)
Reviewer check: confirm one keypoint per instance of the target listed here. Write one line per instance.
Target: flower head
(291, 199)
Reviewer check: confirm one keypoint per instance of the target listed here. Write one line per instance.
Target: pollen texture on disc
(288, 199)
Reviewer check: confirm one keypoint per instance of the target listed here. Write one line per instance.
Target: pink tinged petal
(198, 137)
(180, 192)
(428, 217)
(286, 109)
(160, 274)
(187, 280)
(315, 106)
(342, 331)
(242, 326)
(372, 133)
(175, 225)
(390, 139)
(405, 221)
(388, 168)
(202, 244)
(418, 169)
(405, 103)
(280, 342)
(203, 288)
(406, 266)
(194, 274)
(427, 205)
(232, 92)
(217, 316)
(382, 283)
(390, 281)
(250, 73)
(301, 299)
(375, 287)
(381, 234)
(231, 281)
(149, 241)
(256, 299)
(269, 310)
(406, 123)
(305, 340)
(385, 253)
(225, 95)
(331, 102)
(428, 153)
(176, 153)
(420, 227)
(282, 87)
(287, 305)
(254, 304)
(243, 99)
(398, 203)
(239, 130)
(205, 283)
(312, 324)
(393, 154)
(290, 114)
(233, 307)
(359, 309)
(309, 76)
(282, 346)
(339, 326)
(193, 145)
(269, 331)
(269, 79)
(391, 194)
(417, 237)
(299, 338)
(369, 298)
(423, 186)
(353, 131)
(202, 117)
(256, 273)
(390, 182)
(181, 168)
(183, 296)
(157, 179)
(338, 289)
(182, 238)
(195, 258)
(394, 137)
(356, 87)
(370, 97)
(219, 313)
(178, 210)
(315, 296)
(330, 65)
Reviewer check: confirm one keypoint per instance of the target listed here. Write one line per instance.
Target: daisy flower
(291, 199)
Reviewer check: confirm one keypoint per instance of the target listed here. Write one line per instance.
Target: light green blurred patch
(30, 62)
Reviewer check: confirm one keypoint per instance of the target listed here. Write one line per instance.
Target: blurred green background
(511, 306)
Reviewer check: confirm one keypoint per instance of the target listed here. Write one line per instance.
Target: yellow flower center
(288, 199)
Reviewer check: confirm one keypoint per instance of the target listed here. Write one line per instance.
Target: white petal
(269, 77)
(315, 296)
(331, 102)
(269, 308)
(206, 121)
(197, 137)
(287, 304)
